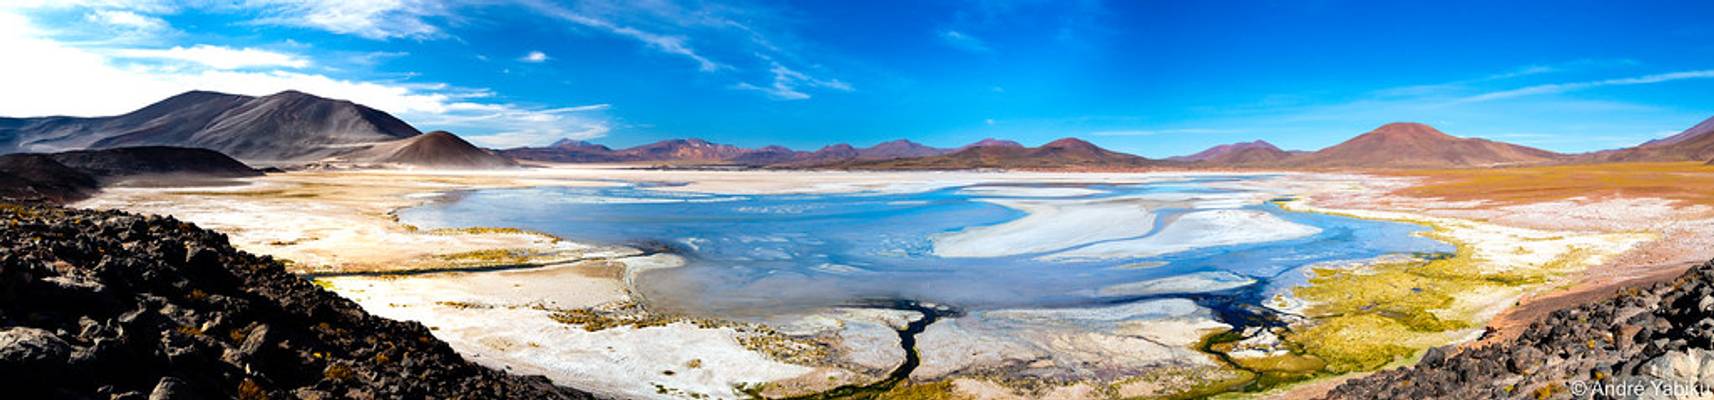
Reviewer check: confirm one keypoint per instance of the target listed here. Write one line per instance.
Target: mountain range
(295, 128)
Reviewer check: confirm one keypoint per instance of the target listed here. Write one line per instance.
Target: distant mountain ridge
(1067, 153)
(1693, 144)
(698, 151)
(1242, 153)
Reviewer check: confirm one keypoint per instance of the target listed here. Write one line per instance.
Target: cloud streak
(1553, 88)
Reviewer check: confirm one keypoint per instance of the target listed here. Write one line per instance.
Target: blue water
(754, 255)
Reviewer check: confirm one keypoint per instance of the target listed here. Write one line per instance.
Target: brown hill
(1068, 153)
(1694, 144)
(1414, 145)
(438, 149)
(1243, 153)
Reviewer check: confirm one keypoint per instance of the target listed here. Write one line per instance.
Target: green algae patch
(1178, 383)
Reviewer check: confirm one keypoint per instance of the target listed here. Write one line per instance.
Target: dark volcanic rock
(1643, 339)
(102, 304)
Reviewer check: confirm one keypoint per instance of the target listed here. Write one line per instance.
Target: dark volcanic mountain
(284, 127)
(438, 149)
(75, 175)
(104, 304)
(154, 160)
(1694, 144)
(1068, 153)
(32, 178)
(1413, 145)
(1243, 153)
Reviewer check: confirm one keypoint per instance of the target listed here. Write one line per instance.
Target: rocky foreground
(1647, 343)
(104, 304)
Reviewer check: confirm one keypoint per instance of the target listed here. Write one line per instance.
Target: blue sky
(1155, 78)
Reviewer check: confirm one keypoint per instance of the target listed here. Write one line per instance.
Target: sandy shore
(538, 319)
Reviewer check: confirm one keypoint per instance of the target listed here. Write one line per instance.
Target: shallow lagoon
(752, 256)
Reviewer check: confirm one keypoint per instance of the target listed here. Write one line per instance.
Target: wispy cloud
(218, 57)
(787, 81)
(963, 41)
(1575, 86)
(534, 57)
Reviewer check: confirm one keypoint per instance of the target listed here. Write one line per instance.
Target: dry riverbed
(535, 304)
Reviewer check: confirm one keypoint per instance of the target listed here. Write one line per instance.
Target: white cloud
(963, 41)
(534, 57)
(218, 57)
(1574, 86)
(373, 19)
(64, 79)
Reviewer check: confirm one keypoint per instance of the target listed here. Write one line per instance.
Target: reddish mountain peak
(992, 142)
(1241, 151)
(1071, 144)
(1409, 130)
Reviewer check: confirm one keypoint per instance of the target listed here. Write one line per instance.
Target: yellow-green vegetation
(921, 391)
(322, 283)
(491, 256)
